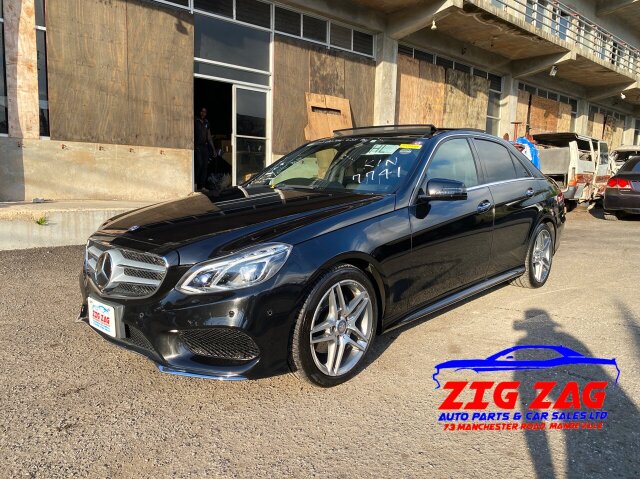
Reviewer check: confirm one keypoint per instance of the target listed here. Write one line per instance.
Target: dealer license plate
(102, 317)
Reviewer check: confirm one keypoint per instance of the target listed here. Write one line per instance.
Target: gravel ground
(75, 406)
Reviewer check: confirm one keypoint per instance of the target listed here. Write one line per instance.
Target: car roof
(561, 349)
(391, 131)
(625, 148)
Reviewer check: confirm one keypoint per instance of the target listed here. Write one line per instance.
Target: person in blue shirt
(530, 149)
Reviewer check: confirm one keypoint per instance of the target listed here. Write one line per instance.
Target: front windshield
(360, 165)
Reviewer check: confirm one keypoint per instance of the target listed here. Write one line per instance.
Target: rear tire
(570, 205)
(611, 216)
(335, 327)
(539, 259)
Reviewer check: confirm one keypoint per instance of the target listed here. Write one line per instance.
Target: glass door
(249, 139)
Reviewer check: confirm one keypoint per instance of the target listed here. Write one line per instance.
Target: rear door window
(453, 160)
(521, 170)
(496, 160)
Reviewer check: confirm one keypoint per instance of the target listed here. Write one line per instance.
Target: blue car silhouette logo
(505, 361)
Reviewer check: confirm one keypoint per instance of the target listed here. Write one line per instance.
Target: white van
(579, 164)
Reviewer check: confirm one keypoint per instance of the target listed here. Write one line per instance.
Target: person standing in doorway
(203, 144)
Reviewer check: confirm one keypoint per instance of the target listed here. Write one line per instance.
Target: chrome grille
(131, 274)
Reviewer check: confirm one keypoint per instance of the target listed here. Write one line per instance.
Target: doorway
(237, 117)
(217, 98)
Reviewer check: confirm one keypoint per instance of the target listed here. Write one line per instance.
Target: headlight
(240, 270)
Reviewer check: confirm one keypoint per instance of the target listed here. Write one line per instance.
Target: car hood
(236, 218)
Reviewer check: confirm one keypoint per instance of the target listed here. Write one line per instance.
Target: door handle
(530, 193)
(484, 206)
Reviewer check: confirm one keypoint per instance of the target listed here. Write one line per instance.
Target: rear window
(631, 166)
(521, 170)
(497, 161)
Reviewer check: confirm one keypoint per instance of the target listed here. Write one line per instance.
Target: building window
(325, 32)
(495, 81)
(555, 96)
(285, 21)
(636, 132)
(593, 109)
(493, 109)
(4, 122)
(41, 43)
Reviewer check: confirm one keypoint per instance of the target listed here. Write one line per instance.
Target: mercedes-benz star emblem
(103, 270)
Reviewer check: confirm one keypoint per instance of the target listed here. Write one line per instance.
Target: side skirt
(455, 298)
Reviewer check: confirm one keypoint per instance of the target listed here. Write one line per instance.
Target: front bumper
(624, 200)
(230, 335)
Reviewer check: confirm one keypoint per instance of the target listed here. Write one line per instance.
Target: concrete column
(582, 119)
(509, 107)
(384, 105)
(22, 68)
(628, 136)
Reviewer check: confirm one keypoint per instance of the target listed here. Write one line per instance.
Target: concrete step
(56, 223)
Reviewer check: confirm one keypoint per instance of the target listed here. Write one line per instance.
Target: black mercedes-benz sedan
(301, 267)
(622, 195)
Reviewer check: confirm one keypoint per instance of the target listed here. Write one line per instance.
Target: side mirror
(439, 189)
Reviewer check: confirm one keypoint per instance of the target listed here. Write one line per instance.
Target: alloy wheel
(341, 328)
(541, 258)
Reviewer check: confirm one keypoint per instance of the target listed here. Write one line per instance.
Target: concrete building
(97, 97)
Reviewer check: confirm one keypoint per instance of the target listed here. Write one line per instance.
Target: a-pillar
(21, 57)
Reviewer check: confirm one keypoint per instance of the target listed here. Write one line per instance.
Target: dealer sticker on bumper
(102, 317)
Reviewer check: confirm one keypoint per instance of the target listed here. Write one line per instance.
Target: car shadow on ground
(385, 340)
(608, 452)
(598, 213)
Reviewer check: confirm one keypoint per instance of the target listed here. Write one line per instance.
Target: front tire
(335, 327)
(539, 259)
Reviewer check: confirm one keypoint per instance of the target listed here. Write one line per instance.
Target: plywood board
(617, 136)
(432, 83)
(125, 79)
(457, 99)
(522, 110)
(543, 115)
(564, 120)
(160, 76)
(597, 126)
(478, 102)
(408, 102)
(326, 73)
(301, 68)
(290, 83)
(613, 131)
(326, 114)
(87, 69)
(359, 89)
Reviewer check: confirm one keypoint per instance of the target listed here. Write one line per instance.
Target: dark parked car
(302, 266)
(622, 195)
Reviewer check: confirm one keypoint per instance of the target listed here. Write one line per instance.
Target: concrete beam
(384, 106)
(21, 60)
(597, 94)
(410, 20)
(609, 7)
(531, 66)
